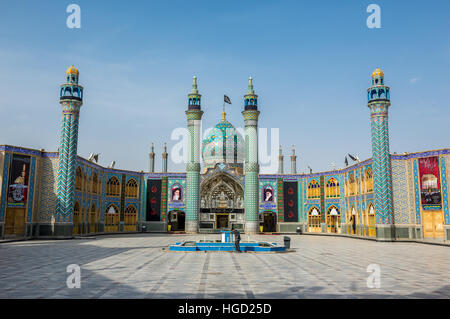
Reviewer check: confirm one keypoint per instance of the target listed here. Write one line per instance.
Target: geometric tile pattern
(48, 189)
(251, 165)
(4, 189)
(381, 162)
(400, 192)
(193, 165)
(417, 193)
(67, 160)
(444, 189)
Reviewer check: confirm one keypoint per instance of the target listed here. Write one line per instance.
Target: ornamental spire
(250, 86)
(194, 85)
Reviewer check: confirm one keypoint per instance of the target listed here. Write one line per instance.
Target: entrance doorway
(222, 221)
(15, 221)
(269, 222)
(433, 224)
(177, 220)
(333, 220)
(314, 220)
(372, 228)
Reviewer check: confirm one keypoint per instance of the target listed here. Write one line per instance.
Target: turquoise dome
(223, 144)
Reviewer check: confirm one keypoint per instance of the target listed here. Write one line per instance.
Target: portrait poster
(267, 194)
(430, 186)
(176, 193)
(18, 181)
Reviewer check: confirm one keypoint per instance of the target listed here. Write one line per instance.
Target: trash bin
(144, 228)
(299, 231)
(287, 242)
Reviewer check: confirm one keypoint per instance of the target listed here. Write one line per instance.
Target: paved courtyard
(136, 266)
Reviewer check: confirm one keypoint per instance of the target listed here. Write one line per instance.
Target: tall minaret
(152, 158)
(194, 120)
(251, 115)
(71, 99)
(164, 159)
(280, 161)
(379, 101)
(293, 161)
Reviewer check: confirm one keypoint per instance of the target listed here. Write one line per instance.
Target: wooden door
(433, 224)
(15, 221)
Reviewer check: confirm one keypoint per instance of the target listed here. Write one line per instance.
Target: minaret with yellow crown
(378, 96)
(251, 115)
(194, 119)
(71, 99)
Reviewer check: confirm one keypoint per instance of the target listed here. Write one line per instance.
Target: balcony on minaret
(71, 90)
(250, 99)
(194, 98)
(378, 91)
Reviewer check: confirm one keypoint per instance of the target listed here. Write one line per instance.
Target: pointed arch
(78, 179)
(130, 218)
(113, 186)
(333, 219)
(371, 220)
(369, 180)
(313, 190)
(112, 218)
(314, 220)
(131, 188)
(332, 188)
(76, 220)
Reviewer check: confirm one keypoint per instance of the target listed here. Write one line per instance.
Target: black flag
(352, 157)
(226, 99)
(346, 161)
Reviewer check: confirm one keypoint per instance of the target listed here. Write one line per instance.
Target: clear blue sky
(311, 62)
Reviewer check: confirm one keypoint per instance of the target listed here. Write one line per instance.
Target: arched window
(131, 189)
(352, 185)
(332, 188)
(130, 218)
(113, 187)
(78, 179)
(333, 220)
(369, 180)
(371, 217)
(313, 190)
(94, 187)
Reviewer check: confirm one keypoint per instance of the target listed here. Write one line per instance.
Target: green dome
(223, 144)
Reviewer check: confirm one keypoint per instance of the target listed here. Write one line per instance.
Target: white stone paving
(136, 266)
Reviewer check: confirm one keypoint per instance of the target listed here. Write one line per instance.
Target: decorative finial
(194, 85)
(281, 151)
(250, 86)
(293, 149)
(165, 147)
(223, 116)
(153, 147)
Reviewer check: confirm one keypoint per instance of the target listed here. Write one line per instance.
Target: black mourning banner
(18, 181)
(153, 200)
(290, 194)
(226, 99)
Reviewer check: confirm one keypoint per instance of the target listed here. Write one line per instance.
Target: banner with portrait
(430, 186)
(18, 181)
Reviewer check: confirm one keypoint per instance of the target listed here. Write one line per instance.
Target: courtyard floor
(136, 266)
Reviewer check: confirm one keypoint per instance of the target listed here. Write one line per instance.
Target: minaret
(71, 99)
(152, 158)
(251, 115)
(280, 162)
(293, 161)
(194, 120)
(378, 102)
(164, 159)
